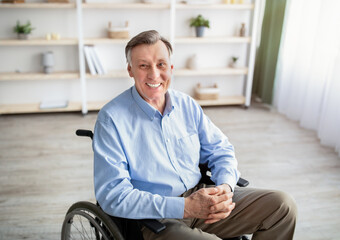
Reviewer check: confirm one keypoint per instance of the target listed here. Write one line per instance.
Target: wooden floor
(44, 168)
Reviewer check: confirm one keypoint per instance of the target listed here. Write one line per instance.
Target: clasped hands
(211, 204)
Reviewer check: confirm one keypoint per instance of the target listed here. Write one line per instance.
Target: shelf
(144, 6)
(34, 108)
(38, 76)
(37, 5)
(230, 100)
(95, 106)
(215, 6)
(226, 100)
(93, 41)
(111, 74)
(211, 72)
(180, 40)
(38, 42)
(192, 40)
(178, 73)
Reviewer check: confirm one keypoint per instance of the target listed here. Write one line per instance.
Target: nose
(153, 73)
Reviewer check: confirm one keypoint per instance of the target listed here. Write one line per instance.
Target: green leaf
(199, 21)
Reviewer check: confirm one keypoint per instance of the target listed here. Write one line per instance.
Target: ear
(172, 68)
(129, 70)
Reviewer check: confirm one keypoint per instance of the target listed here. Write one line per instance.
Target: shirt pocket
(189, 149)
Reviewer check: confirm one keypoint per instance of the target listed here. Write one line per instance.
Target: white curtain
(307, 81)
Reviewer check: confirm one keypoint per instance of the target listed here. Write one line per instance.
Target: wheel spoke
(85, 222)
(84, 229)
(79, 230)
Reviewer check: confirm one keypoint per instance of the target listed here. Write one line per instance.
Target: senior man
(148, 144)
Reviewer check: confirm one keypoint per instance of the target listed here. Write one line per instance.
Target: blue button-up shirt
(144, 160)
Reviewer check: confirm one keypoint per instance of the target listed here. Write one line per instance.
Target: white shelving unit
(195, 40)
(38, 76)
(244, 72)
(21, 79)
(119, 76)
(38, 42)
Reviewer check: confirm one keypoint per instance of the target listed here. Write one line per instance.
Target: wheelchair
(86, 220)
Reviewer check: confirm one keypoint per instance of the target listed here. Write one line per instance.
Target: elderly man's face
(151, 69)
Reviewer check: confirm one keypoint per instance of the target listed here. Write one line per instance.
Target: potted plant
(233, 62)
(200, 23)
(24, 30)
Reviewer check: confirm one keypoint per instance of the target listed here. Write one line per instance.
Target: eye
(162, 65)
(143, 66)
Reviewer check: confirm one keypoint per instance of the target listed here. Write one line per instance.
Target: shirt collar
(149, 110)
(168, 104)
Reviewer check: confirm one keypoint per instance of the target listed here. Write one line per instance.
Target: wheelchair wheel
(85, 220)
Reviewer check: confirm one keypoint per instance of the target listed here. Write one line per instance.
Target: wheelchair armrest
(242, 182)
(153, 224)
(205, 172)
(84, 133)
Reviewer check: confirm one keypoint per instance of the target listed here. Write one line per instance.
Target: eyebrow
(158, 60)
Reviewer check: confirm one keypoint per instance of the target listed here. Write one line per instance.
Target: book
(97, 63)
(89, 60)
(53, 104)
(198, 2)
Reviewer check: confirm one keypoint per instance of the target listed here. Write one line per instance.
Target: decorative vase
(243, 30)
(199, 31)
(48, 62)
(192, 62)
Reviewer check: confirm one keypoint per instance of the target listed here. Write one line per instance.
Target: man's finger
(222, 206)
(224, 197)
(222, 215)
(212, 191)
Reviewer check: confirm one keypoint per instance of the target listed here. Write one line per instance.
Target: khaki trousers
(266, 214)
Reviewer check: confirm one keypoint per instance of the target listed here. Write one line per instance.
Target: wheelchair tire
(85, 220)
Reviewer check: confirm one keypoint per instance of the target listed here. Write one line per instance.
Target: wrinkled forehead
(156, 51)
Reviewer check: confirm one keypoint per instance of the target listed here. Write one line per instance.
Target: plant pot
(23, 36)
(199, 31)
(233, 64)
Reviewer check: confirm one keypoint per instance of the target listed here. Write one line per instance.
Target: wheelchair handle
(84, 133)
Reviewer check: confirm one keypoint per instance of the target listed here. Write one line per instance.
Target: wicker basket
(207, 93)
(118, 32)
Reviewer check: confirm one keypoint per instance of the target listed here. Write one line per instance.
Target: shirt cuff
(175, 207)
(227, 180)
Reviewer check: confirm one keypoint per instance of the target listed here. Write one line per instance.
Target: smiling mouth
(153, 85)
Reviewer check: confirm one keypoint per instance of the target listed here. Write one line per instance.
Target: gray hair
(148, 37)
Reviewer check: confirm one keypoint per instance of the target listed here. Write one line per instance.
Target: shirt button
(168, 140)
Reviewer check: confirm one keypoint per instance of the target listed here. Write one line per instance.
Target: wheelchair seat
(85, 220)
